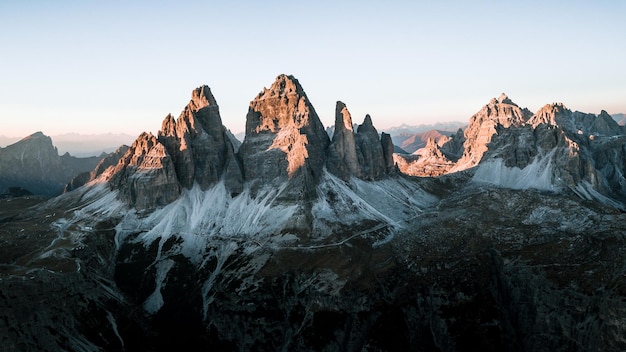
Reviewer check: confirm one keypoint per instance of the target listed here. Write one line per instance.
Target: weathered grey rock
(364, 154)
(482, 127)
(199, 144)
(388, 147)
(285, 140)
(425, 162)
(145, 176)
(370, 151)
(452, 148)
(576, 122)
(342, 153)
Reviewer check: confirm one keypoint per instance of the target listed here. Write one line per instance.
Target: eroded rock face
(145, 176)
(104, 164)
(362, 154)
(387, 143)
(589, 148)
(482, 127)
(370, 151)
(199, 144)
(342, 154)
(285, 140)
(425, 162)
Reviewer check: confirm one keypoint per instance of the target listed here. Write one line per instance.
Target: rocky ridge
(285, 147)
(554, 148)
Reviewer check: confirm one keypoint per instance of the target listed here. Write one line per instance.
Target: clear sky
(111, 66)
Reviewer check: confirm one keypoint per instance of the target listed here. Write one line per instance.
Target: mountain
(296, 241)
(553, 149)
(33, 163)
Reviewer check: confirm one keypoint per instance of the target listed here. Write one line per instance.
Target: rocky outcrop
(145, 176)
(200, 145)
(370, 151)
(452, 147)
(425, 162)
(560, 149)
(285, 141)
(342, 153)
(482, 127)
(363, 154)
(388, 148)
(193, 149)
(576, 122)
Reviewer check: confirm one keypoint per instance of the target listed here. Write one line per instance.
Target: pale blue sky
(107, 66)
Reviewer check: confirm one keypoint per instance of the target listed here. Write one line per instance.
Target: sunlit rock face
(285, 140)
(193, 149)
(199, 144)
(429, 161)
(145, 175)
(482, 127)
(104, 164)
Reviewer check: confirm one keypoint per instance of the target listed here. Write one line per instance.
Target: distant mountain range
(33, 163)
(82, 145)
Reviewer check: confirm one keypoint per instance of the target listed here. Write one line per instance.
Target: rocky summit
(505, 236)
(285, 140)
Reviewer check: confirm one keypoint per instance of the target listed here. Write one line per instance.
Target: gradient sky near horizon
(121, 67)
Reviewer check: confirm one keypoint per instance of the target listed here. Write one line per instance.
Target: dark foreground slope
(487, 269)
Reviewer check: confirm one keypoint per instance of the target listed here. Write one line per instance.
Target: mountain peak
(201, 97)
(285, 138)
(342, 117)
(504, 99)
(37, 134)
(367, 125)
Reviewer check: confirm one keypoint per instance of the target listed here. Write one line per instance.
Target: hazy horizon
(113, 67)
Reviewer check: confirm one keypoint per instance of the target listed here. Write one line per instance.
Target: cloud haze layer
(93, 67)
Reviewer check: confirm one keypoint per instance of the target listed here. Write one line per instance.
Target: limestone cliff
(482, 126)
(145, 176)
(199, 144)
(342, 153)
(285, 141)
